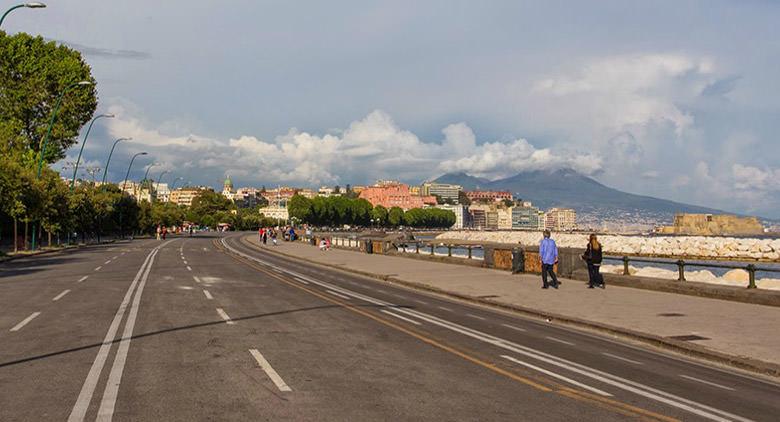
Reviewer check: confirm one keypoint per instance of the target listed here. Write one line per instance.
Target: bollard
(469, 252)
(417, 250)
(625, 266)
(431, 245)
(751, 269)
(449, 250)
(681, 270)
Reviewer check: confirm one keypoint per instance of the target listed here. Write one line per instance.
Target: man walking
(548, 255)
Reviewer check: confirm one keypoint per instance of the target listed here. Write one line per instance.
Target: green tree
(463, 199)
(208, 203)
(301, 208)
(33, 73)
(379, 214)
(395, 217)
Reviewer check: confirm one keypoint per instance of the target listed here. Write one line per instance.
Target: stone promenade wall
(668, 246)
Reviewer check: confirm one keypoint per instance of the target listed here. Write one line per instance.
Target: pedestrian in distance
(273, 237)
(159, 231)
(592, 257)
(265, 237)
(164, 232)
(548, 256)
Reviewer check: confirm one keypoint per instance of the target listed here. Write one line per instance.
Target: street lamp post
(33, 5)
(109, 158)
(146, 175)
(124, 185)
(174, 183)
(48, 134)
(86, 136)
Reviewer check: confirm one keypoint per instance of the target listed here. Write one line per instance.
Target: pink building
(391, 195)
(488, 195)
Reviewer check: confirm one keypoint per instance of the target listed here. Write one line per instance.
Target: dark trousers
(548, 268)
(594, 276)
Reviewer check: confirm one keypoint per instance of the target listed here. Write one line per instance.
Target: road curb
(53, 251)
(687, 349)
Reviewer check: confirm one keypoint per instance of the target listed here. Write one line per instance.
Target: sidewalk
(744, 335)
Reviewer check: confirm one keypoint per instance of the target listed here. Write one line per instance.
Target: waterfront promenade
(740, 331)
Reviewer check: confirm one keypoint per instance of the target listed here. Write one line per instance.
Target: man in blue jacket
(548, 255)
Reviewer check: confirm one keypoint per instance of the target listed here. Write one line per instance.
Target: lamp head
(84, 83)
(142, 153)
(35, 5)
(110, 115)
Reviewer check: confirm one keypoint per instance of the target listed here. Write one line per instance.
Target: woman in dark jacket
(593, 257)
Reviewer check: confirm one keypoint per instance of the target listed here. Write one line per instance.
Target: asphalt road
(213, 328)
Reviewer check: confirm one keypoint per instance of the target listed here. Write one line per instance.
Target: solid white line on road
(107, 262)
(98, 268)
(25, 321)
(88, 389)
(707, 382)
(197, 280)
(398, 296)
(82, 279)
(189, 268)
(558, 376)
(337, 294)
(225, 316)
(420, 301)
(445, 309)
(560, 341)
(301, 280)
(513, 327)
(622, 358)
(475, 316)
(107, 404)
(269, 370)
(401, 317)
(208, 295)
(59, 296)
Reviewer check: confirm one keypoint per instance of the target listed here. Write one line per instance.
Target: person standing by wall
(592, 257)
(548, 255)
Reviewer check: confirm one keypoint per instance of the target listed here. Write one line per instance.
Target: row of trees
(341, 210)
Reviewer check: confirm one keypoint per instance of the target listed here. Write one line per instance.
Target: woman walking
(593, 257)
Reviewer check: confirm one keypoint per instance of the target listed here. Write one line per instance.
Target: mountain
(567, 188)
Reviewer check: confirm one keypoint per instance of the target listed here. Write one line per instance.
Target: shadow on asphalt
(24, 266)
(187, 327)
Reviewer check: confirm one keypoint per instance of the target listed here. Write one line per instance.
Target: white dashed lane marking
(208, 295)
(98, 268)
(82, 279)
(188, 268)
(622, 358)
(59, 296)
(25, 321)
(560, 341)
(225, 316)
(475, 316)
(269, 370)
(513, 327)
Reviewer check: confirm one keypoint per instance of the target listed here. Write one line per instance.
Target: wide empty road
(215, 328)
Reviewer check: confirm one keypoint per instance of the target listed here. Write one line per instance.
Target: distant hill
(567, 188)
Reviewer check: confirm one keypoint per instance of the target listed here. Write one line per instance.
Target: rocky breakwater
(701, 247)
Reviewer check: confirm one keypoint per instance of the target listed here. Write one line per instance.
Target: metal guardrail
(427, 247)
(681, 264)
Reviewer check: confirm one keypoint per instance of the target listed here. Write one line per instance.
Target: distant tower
(227, 187)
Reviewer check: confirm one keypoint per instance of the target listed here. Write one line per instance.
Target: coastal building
(714, 225)
(327, 191)
(185, 195)
(488, 195)
(504, 218)
(307, 193)
(162, 192)
(446, 192)
(560, 219)
(246, 197)
(461, 214)
(275, 211)
(527, 218)
(394, 194)
(278, 194)
(227, 189)
(484, 216)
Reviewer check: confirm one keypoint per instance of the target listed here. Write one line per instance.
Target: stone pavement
(738, 330)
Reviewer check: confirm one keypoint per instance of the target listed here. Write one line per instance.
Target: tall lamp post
(75, 169)
(105, 172)
(174, 182)
(33, 5)
(124, 185)
(48, 134)
(146, 176)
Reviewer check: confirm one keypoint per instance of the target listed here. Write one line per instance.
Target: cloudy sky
(676, 99)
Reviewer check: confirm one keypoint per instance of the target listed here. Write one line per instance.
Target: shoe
(545, 287)
(603, 286)
(555, 286)
(590, 286)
